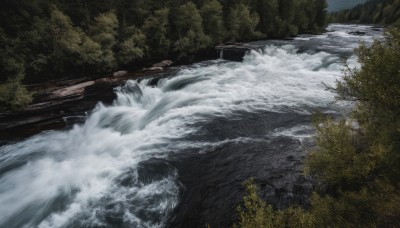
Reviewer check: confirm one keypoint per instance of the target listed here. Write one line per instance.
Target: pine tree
(190, 31)
(156, 28)
(241, 23)
(213, 21)
(104, 32)
(132, 47)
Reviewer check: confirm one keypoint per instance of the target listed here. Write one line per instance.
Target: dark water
(174, 152)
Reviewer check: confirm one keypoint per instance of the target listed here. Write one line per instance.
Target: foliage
(13, 96)
(356, 162)
(103, 31)
(156, 28)
(132, 45)
(190, 31)
(242, 23)
(64, 38)
(255, 212)
(73, 38)
(213, 20)
(340, 160)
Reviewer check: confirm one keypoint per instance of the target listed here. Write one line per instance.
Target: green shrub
(255, 212)
(13, 95)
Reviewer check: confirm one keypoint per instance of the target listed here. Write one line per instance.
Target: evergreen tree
(156, 28)
(70, 38)
(213, 21)
(191, 37)
(268, 11)
(373, 11)
(320, 13)
(301, 19)
(242, 23)
(104, 32)
(132, 47)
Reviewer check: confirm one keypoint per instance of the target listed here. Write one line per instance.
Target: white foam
(82, 164)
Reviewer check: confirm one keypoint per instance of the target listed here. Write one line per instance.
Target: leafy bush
(13, 95)
(257, 213)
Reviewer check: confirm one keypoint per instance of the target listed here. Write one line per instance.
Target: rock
(153, 68)
(233, 51)
(48, 112)
(164, 63)
(72, 90)
(105, 80)
(357, 33)
(70, 82)
(119, 73)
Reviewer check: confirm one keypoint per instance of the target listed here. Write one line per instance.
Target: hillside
(384, 12)
(337, 5)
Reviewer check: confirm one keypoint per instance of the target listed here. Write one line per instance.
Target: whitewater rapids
(94, 175)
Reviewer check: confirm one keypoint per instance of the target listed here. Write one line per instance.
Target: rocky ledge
(234, 51)
(58, 100)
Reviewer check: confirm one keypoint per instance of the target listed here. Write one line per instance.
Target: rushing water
(113, 169)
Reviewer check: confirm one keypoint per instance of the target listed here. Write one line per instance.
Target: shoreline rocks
(153, 68)
(119, 73)
(72, 90)
(234, 51)
(357, 33)
(159, 66)
(164, 63)
(60, 99)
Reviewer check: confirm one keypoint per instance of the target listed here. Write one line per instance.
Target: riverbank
(59, 103)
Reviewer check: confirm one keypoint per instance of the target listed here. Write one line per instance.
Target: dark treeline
(384, 12)
(50, 39)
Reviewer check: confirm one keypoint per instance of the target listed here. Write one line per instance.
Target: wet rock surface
(358, 33)
(234, 51)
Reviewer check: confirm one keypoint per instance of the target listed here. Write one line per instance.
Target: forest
(383, 12)
(44, 40)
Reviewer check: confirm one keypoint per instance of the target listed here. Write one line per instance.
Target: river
(173, 152)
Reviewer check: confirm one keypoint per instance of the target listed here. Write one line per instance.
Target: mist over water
(112, 170)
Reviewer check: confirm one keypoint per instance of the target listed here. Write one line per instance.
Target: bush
(257, 213)
(13, 95)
